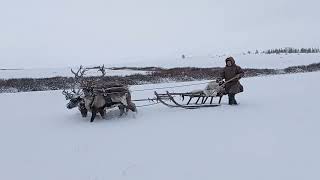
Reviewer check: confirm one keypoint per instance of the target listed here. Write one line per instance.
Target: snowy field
(246, 61)
(273, 135)
(272, 61)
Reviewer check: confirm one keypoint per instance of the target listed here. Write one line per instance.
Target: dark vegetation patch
(156, 75)
(291, 50)
(137, 68)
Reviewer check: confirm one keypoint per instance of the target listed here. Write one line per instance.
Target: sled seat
(201, 97)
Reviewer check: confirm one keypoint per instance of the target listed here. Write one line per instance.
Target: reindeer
(76, 99)
(92, 97)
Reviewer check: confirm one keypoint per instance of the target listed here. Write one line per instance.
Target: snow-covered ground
(273, 134)
(246, 61)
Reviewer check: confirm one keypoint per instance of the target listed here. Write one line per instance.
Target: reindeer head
(74, 98)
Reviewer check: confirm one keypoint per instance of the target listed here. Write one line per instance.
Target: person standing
(230, 71)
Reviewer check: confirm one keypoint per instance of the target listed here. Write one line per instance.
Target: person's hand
(238, 76)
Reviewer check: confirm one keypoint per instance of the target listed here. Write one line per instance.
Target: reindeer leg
(84, 113)
(83, 110)
(132, 107)
(102, 113)
(121, 108)
(94, 114)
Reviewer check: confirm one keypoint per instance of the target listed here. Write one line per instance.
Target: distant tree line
(292, 50)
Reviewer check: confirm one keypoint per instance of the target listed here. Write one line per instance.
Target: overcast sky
(42, 33)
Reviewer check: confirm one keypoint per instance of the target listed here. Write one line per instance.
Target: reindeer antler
(76, 90)
(102, 69)
(80, 73)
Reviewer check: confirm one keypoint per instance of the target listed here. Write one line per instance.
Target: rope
(149, 99)
(148, 104)
(151, 89)
(168, 87)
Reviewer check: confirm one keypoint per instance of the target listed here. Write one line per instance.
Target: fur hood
(233, 62)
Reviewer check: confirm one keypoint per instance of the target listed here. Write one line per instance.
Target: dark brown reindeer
(96, 96)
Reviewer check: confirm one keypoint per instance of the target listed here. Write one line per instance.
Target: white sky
(43, 33)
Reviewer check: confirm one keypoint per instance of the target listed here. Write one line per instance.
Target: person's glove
(221, 83)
